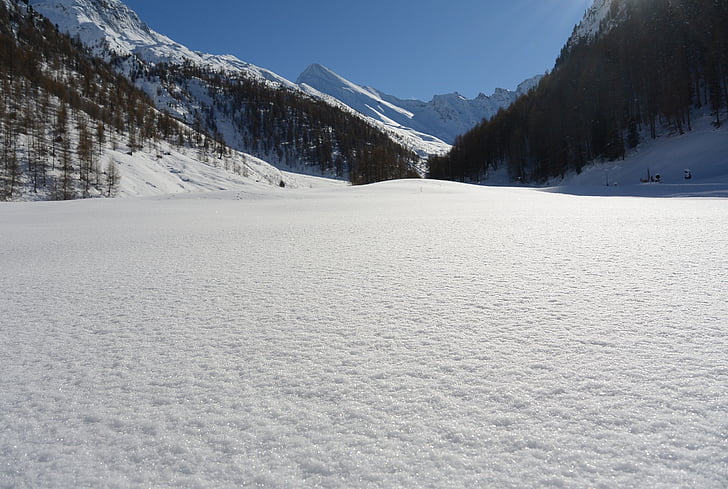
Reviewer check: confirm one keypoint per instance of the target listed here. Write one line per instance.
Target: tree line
(657, 64)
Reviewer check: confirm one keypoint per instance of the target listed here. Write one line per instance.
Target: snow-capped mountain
(110, 27)
(444, 117)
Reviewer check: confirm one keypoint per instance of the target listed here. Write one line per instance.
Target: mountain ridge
(445, 116)
(110, 27)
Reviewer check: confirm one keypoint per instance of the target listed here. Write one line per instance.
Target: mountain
(114, 31)
(445, 116)
(71, 126)
(633, 72)
(248, 108)
(109, 27)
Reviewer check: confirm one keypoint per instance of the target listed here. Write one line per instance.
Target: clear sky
(407, 48)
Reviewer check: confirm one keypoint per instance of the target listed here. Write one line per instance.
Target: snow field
(408, 334)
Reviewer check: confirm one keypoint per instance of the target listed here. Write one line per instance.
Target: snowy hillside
(411, 334)
(175, 172)
(109, 26)
(702, 151)
(66, 139)
(445, 116)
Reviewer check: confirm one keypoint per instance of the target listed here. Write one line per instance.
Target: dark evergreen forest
(659, 61)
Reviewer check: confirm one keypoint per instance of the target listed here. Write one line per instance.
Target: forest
(655, 64)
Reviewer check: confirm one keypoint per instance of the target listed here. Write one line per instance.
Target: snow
(405, 334)
(173, 173)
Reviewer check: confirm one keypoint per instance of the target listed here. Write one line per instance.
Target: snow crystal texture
(408, 334)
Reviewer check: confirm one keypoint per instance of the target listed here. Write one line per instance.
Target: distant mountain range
(111, 29)
(444, 117)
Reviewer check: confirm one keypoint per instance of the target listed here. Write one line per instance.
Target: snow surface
(406, 334)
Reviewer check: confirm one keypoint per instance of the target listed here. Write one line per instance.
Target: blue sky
(411, 49)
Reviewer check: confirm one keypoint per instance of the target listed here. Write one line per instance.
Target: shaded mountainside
(245, 107)
(656, 65)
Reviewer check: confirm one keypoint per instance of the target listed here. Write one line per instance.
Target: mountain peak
(316, 68)
(317, 71)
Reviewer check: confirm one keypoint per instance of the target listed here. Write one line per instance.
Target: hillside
(71, 127)
(701, 151)
(650, 70)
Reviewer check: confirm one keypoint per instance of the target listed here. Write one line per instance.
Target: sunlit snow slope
(109, 25)
(401, 335)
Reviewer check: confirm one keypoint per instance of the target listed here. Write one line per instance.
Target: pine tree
(86, 158)
(113, 179)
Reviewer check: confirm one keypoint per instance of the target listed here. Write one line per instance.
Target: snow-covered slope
(445, 116)
(702, 151)
(109, 26)
(175, 172)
